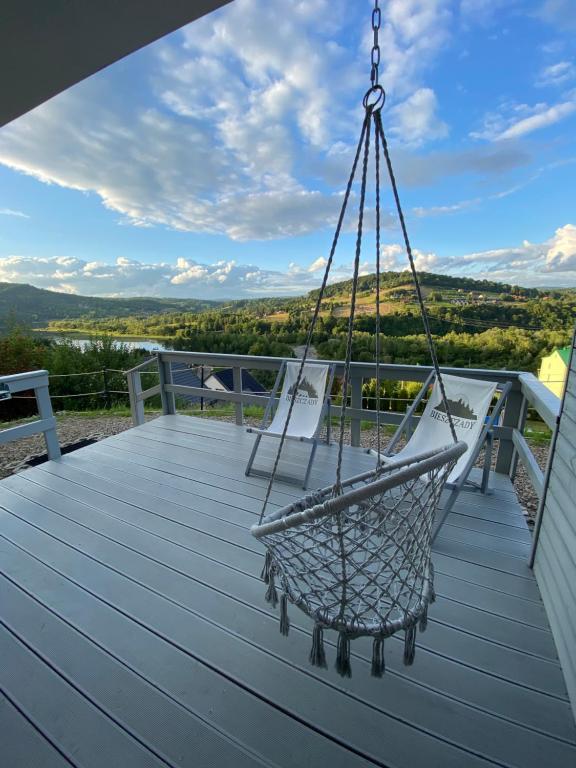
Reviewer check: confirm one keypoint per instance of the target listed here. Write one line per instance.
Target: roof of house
(249, 384)
(186, 376)
(564, 353)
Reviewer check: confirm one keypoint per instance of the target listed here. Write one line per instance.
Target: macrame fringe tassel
(432, 590)
(343, 656)
(271, 593)
(424, 620)
(378, 664)
(409, 646)
(265, 575)
(317, 655)
(284, 618)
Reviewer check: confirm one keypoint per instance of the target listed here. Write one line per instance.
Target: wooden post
(107, 398)
(520, 427)
(237, 380)
(202, 385)
(356, 402)
(168, 399)
(45, 412)
(134, 390)
(513, 414)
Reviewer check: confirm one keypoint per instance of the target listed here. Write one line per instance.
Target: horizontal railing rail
(37, 381)
(526, 391)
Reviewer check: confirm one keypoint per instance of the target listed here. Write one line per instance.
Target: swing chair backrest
(359, 561)
(309, 400)
(469, 401)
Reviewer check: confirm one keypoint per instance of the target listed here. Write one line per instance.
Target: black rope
(349, 340)
(424, 313)
(365, 128)
(377, 350)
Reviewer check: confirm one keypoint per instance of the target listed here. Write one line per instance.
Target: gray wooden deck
(134, 631)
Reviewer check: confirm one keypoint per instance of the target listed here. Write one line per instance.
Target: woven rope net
(359, 562)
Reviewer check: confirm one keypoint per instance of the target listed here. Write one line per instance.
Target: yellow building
(553, 370)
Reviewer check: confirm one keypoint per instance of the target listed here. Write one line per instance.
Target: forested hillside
(35, 306)
(477, 323)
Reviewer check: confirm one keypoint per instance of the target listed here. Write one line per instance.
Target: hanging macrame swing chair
(356, 556)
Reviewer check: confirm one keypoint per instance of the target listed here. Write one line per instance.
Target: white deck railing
(46, 423)
(526, 392)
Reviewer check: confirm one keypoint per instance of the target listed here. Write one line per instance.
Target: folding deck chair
(469, 401)
(311, 408)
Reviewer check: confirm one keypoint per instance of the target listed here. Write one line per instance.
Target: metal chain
(375, 53)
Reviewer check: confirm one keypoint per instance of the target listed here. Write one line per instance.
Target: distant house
(206, 377)
(554, 369)
(187, 377)
(223, 381)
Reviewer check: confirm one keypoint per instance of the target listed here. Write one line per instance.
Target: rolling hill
(21, 302)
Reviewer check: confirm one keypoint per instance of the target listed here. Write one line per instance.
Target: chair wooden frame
(486, 436)
(269, 414)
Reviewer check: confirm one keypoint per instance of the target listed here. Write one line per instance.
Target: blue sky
(212, 163)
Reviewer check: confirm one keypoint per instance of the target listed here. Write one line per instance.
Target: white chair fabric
(308, 406)
(469, 401)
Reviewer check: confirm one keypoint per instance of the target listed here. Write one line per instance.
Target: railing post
(521, 424)
(45, 412)
(355, 402)
(237, 381)
(134, 390)
(514, 414)
(107, 398)
(168, 399)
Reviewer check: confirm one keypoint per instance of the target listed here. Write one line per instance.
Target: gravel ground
(73, 428)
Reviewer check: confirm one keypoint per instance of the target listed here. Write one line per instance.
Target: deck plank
(174, 609)
(26, 747)
(84, 734)
(136, 557)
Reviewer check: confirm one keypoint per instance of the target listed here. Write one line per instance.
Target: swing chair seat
(358, 561)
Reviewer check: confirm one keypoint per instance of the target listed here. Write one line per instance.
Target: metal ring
(376, 18)
(375, 55)
(374, 98)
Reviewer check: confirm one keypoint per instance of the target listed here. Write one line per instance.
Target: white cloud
(556, 74)
(216, 146)
(318, 264)
(236, 111)
(390, 255)
(483, 11)
(514, 121)
(552, 262)
(413, 33)
(10, 212)
(439, 210)
(186, 278)
(464, 205)
(541, 120)
(393, 257)
(561, 13)
(561, 256)
(415, 120)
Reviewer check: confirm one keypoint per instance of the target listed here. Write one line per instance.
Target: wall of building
(555, 556)
(553, 373)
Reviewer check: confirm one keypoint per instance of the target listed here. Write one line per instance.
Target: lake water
(149, 345)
